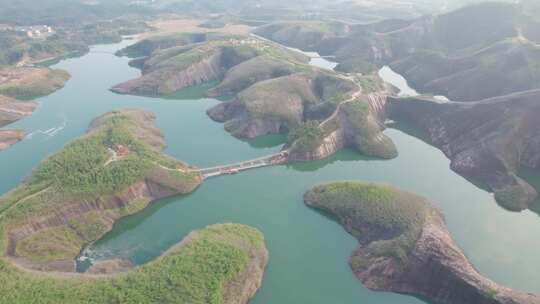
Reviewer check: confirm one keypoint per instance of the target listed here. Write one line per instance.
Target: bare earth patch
(30, 83)
(176, 24)
(22, 76)
(9, 138)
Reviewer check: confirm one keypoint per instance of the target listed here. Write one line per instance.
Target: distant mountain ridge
(447, 54)
(486, 56)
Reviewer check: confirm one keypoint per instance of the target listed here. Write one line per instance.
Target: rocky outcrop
(173, 62)
(487, 140)
(438, 270)
(331, 144)
(480, 51)
(168, 81)
(280, 104)
(406, 247)
(171, 70)
(107, 210)
(357, 123)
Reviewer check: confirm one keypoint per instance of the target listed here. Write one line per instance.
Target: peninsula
(488, 140)
(12, 110)
(25, 84)
(274, 91)
(405, 246)
(74, 197)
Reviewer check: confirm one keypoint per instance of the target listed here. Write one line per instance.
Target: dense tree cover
(80, 166)
(113, 156)
(200, 270)
(197, 272)
(373, 212)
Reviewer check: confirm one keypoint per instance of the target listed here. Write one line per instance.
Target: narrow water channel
(398, 81)
(308, 251)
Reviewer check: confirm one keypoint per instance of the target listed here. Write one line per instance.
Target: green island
(212, 265)
(74, 197)
(483, 57)
(274, 91)
(173, 62)
(405, 246)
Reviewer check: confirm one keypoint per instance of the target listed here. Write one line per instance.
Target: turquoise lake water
(308, 251)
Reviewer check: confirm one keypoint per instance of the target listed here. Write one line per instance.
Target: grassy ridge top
(171, 63)
(198, 271)
(148, 45)
(386, 219)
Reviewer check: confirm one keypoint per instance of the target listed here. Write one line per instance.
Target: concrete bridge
(269, 160)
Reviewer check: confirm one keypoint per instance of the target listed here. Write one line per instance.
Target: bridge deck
(270, 160)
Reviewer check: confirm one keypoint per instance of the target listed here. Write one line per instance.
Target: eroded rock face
(50, 238)
(438, 270)
(106, 208)
(173, 69)
(356, 123)
(477, 52)
(406, 246)
(168, 81)
(487, 140)
(330, 145)
(246, 284)
(280, 104)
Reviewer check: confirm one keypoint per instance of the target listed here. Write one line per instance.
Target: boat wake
(49, 133)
